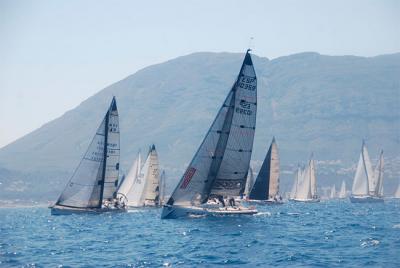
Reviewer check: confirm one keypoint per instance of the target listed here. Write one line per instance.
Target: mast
(103, 175)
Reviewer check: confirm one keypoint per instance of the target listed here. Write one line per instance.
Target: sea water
(327, 234)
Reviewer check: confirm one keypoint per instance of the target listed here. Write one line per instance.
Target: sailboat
(342, 193)
(333, 192)
(92, 187)
(266, 186)
(305, 187)
(142, 185)
(219, 168)
(366, 186)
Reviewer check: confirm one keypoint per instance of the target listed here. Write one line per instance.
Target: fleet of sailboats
(219, 168)
(266, 187)
(218, 173)
(305, 184)
(367, 184)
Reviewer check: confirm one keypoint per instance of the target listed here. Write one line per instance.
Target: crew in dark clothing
(221, 200)
(232, 202)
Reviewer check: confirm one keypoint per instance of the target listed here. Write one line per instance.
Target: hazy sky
(55, 54)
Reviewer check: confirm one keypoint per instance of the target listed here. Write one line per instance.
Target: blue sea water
(328, 234)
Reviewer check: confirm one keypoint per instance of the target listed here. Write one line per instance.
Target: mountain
(309, 102)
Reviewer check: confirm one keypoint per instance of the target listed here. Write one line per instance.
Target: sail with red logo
(219, 168)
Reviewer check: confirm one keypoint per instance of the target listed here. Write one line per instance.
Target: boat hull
(305, 200)
(264, 202)
(174, 212)
(59, 210)
(366, 199)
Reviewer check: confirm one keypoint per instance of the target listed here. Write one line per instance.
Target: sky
(55, 54)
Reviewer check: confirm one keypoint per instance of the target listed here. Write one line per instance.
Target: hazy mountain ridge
(310, 102)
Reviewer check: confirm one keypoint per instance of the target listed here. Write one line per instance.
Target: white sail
(295, 183)
(96, 177)
(397, 193)
(342, 193)
(304, 185)
(249, 182)
(313, 179)
(378, 175)
(126, 188)
(333, 192)
(136, 197)
(274, 171)
(369, 171)
(221, 163)
(152, 175)
(361, 182)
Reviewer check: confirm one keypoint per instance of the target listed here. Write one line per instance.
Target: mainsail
(378, 175)
(313, 179)
(152, 175)
(364, 175)
(295, 183)
(126, 187)
(304, 185)
(266, 185)
(333, 192)
(96, 177)
(221, 163)
(342, 193)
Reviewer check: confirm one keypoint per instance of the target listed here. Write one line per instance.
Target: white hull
(316, 200)
(264, 202)
(60, 210)
(173, 212)
(366, 199)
